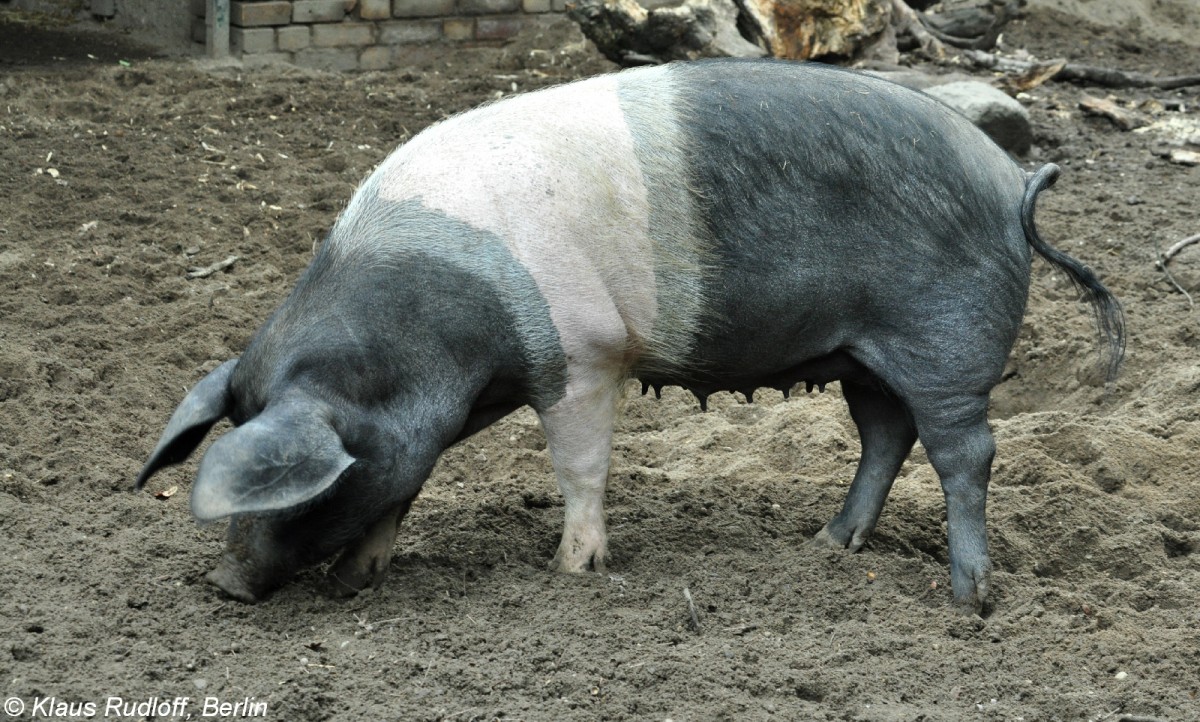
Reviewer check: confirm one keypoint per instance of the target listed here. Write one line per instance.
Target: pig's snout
(237, 579)
(254, 564)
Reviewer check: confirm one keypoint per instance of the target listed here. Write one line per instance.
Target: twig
(695, 619)
(210, 270)
(428, 667)
(1106, 715)
(1175, 249)
(742, 629)
(1139, 718)
(1164, 258)
(1087, 74)
(1161, 263)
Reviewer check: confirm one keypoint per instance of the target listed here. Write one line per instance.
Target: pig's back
(702, 215)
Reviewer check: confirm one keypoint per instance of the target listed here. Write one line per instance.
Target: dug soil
(120, 173)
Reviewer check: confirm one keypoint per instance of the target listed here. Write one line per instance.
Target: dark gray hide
(347, 395)
(868, 234)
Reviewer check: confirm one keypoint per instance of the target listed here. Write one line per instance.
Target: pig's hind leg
(579, 431)
(960, 446)
(886, 431)
(948, 403)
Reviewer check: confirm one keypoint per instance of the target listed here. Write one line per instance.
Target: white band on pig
(586, 185)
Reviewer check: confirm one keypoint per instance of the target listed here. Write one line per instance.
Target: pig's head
(302, 475)
(408, 331)
(330, 436)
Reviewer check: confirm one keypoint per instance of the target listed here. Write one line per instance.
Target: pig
(716, 225)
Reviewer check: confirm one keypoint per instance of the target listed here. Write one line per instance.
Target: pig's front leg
(579, 432)
(365, 562)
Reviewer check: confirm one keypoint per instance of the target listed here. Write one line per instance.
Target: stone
(376, 57)
(403, 32)
(488, 7)
(318, 11)
(422, 8)
(293, 38)
(1005, 120)
(536, 6)
(251, 14)
(252, 40)
(458, 28)
(343, 35)
(916, 79)
(327, 58)
(497, 28)
(375, 9)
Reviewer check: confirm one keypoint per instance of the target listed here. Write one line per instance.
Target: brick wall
(363, 34)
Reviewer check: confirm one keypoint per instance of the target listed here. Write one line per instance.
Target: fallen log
(832, 30)
(804, 29)
(907, 21)
(1083, 74)
(628, 34)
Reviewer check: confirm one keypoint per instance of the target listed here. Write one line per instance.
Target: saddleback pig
(718, 225)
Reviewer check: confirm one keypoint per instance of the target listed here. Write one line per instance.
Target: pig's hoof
(232, 584)
(971, 607)
(580, 563)
(838, 536)
(971, 589)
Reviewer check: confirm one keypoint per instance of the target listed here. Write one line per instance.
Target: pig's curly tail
(1110, 318)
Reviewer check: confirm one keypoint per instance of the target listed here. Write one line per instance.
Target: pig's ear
(204, 406)
(285, 456)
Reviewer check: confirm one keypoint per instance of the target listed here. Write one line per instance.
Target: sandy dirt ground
(116, 179)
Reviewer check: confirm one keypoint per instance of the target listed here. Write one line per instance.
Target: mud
(116, 180)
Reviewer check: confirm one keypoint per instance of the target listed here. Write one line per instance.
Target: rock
(1001, 117)
(917, 80)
